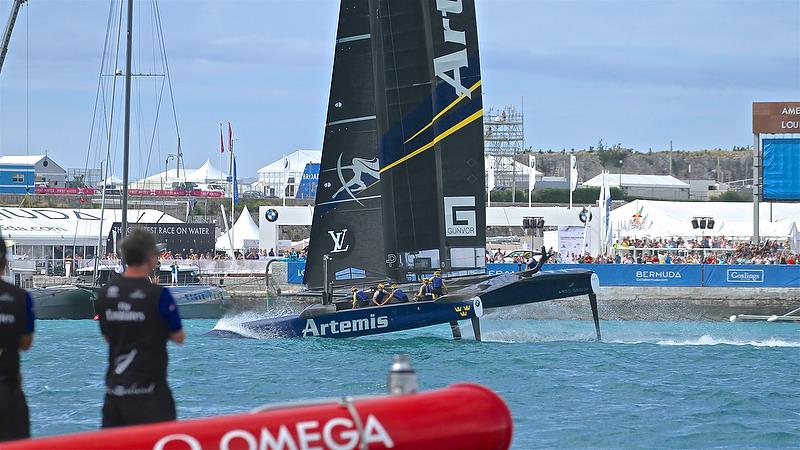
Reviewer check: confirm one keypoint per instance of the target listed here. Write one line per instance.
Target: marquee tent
(206, 174)
(647, 218)
(245, 229)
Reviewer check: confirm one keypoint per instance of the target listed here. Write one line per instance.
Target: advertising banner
(626, 274)
(296, 271)
(752, 276)
(176, 237)
(308, 184)
(570, 240)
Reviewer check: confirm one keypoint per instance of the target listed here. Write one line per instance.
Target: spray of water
(235, 323)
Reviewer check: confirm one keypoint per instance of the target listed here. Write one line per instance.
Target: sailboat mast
(127, 141)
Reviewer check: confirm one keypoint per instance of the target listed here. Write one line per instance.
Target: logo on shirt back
(123, 313)
(7, 319)
(122, 362)
(6, 297)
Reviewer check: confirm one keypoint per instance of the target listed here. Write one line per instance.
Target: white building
(48, 173)
(272, 178)
(654, 187)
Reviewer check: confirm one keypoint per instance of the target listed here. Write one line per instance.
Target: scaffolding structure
(504, 140)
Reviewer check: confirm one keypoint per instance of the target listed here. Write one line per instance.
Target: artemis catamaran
(402, 189)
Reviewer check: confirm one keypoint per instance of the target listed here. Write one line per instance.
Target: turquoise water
(648, 385)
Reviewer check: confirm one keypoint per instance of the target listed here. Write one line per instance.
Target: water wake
(711, 340)
(235, 323)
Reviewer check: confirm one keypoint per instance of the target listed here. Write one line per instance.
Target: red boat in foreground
(462, 416)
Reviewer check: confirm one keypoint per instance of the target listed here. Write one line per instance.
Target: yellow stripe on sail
(444, 111)
(477, 115)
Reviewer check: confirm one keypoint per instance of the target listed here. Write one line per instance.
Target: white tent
(113, 180)
(162, 179)
(646, 218)
(245, 229)
(206, 174)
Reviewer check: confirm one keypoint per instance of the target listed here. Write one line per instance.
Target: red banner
(64, 191)
(132, 192)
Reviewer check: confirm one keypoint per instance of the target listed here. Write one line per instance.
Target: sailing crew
(381, 296)
(137, 318)
(16, 333)
(439, 287)
(425, 293)
(397, 295)
(360, 298)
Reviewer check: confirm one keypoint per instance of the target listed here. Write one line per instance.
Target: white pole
(227, 229)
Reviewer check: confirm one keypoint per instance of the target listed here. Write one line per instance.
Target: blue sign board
(781, 166)
(752, 275)
(308, 184)
(296, 272)
(644, 275)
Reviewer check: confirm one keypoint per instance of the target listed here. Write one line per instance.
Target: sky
(635, 72)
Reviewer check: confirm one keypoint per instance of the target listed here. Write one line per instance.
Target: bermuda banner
(752, 276)
(626, 274)
(641, 274)
(296, 270)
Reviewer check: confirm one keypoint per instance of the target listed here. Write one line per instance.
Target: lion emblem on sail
(363, 171)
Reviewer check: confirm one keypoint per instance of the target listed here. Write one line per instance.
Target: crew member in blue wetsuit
(360, 298)
(425, 293)
(381, 296)
(16, 333)
(397, 295)
(137, 318)
(439, 287)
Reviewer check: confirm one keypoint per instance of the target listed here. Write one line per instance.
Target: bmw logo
(272, 215)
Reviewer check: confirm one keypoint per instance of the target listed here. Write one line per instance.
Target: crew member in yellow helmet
(381, 296)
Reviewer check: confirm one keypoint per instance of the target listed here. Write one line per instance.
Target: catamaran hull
(200, 302)
(360, 322)
(62, 302)
(523, 288)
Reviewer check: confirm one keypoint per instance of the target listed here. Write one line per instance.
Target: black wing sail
(429, 108)
(347, 214)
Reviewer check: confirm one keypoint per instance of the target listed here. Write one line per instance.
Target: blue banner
(641, 274)
(624, 274)
(308, 184)
(752, 276)
(296, 271)
(781, 166)
(648, 275)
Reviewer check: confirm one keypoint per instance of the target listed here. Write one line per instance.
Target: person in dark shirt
(16, 333)
(137, 318)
